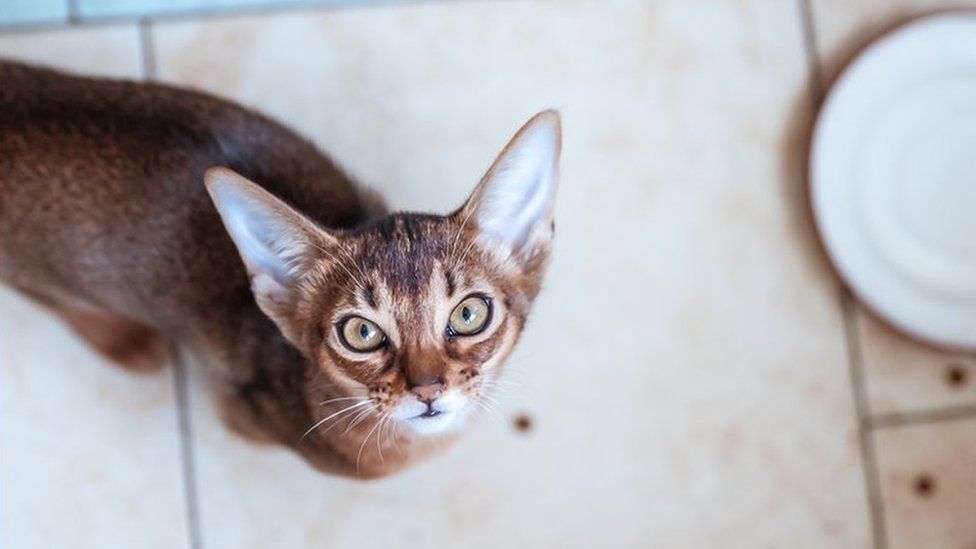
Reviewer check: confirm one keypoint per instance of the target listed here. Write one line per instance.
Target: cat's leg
(127, 343)
(131, 345)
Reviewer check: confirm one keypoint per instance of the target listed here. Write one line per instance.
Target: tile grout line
(937, 415)
(815, 74)
(187, 454)
(869, 457)
(74, 15)
(147, 50)
(869, 461)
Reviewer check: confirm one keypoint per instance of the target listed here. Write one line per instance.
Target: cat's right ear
(278, 244)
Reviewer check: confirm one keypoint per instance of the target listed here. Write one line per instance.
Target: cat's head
(410, 315)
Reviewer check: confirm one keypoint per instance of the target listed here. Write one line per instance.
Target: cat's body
(105, 219)
(94, 173)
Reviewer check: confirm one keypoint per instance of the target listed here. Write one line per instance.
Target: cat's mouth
(434, 417)
(430, 421)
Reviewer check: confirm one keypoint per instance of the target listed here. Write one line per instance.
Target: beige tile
(844, 28)
(928, 484)
(685, 366)
(902, 375)
(90, 453)
(906, 376)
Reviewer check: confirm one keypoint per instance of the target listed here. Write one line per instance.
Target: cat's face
(412, 316)
(415, 316)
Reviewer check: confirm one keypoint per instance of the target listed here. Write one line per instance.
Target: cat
(364, 340)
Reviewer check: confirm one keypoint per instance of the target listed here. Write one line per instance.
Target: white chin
(431, 425)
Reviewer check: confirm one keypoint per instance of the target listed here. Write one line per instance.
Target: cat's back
(101, 184)
(133, 137)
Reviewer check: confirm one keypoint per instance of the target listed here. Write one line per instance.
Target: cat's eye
(361, 335)
(470, 316)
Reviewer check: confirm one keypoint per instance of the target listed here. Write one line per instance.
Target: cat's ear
(512, 207)
(278, 244)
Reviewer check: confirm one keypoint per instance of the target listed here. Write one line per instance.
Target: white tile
(90, 453)
(685, 365)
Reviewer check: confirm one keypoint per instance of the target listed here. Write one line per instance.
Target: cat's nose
(429, 392)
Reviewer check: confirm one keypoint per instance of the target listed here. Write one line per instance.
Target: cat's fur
(106, 220)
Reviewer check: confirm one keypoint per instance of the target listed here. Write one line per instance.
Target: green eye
(361, 335)
(470, 316)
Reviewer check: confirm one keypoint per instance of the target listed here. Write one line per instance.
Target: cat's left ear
(512, 207)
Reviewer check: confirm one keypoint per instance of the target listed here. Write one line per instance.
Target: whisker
(362, 280)
(457, 237)
(363, 445)
(335, 260)
(491, 400)
(503, 382)
(395, 438)
(480, 404)
(491, 411)
(324, 402)
(364, 277)
(501, 390)
(488, 389)
(356, 420)
(385, 429)
(327, 418)
(464, 255)
(379, 437)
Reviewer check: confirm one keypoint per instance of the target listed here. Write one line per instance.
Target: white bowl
(893, 175)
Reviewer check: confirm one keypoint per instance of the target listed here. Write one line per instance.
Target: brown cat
(360, 338)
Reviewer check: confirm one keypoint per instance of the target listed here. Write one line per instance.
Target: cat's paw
(126, 343)
(142, 351)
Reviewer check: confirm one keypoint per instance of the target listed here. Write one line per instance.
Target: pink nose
(427, 393)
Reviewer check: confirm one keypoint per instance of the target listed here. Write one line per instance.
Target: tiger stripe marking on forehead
(449, 281)
(369, 297)
(402, 249)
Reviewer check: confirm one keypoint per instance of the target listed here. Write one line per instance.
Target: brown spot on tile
(956, 376)
(924, 485)
(522, 423)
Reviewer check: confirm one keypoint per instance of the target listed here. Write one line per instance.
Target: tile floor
(746, 403)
